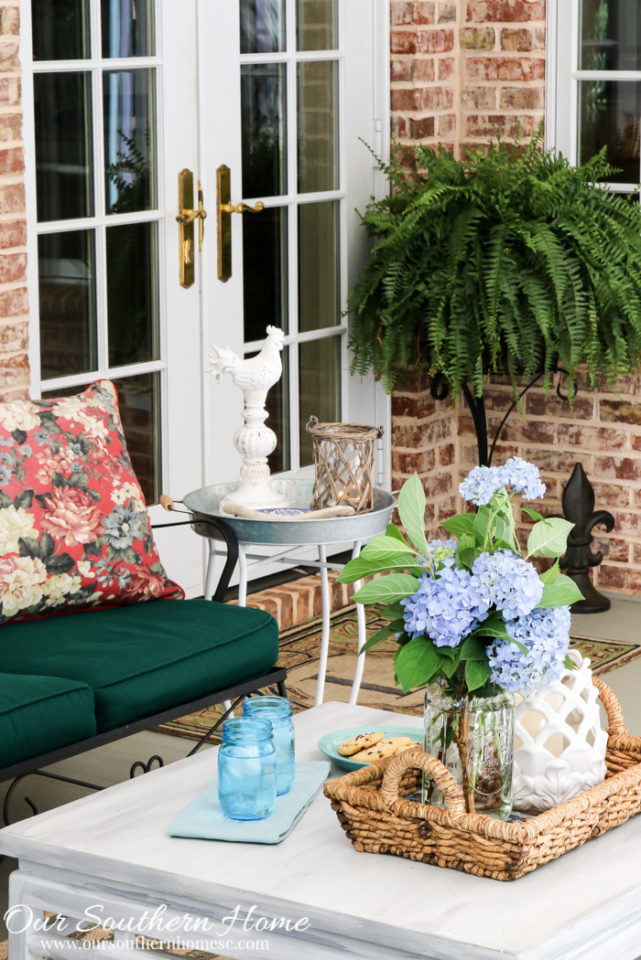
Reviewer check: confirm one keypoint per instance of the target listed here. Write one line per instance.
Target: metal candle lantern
(344, 464)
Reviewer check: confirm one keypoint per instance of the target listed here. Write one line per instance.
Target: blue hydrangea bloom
(445, 607)
(443, 552)
(524, 478)
(507, 582)
(546, 635)
(482, 483)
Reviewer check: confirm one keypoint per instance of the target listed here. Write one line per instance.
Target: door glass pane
(610, 35)
(130, 161)
(320, 388)
(609, 115)
(139, 402)
(67, 299)
(60, 29)
(63, 145)
(317, 24)
(262, 26)
(318, 266)
(127, 28)
(264, 271)
(132, 293)
(317, 126)
(263, 123)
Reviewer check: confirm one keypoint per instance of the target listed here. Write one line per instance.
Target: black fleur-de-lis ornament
(578, 508)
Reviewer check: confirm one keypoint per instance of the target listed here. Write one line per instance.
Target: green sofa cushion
(38, 714)
(147, 657)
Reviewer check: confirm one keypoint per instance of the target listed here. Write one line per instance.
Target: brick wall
(14, 364)
(463, 69)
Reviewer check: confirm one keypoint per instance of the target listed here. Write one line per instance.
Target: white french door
(122, 95)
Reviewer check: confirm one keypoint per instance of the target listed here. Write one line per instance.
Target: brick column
(14, 363)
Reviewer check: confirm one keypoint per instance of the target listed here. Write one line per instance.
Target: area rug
(299, 647)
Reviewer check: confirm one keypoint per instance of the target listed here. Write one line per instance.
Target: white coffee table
(109, 855)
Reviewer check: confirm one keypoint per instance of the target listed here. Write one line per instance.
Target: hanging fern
(506, 261)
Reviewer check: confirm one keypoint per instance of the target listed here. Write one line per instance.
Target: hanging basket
(343, 464)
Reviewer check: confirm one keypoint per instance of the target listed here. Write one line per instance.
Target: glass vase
(247, 769)
(474, 738)
(278, 710)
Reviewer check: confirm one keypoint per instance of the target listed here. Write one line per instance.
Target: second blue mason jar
(247, 769)
(278, 710)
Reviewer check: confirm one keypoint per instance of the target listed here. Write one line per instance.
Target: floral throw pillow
(74, 531)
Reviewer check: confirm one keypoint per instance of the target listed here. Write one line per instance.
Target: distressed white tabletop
(586, 905)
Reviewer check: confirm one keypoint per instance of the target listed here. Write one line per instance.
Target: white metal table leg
(362, 634)
(324, 650)
(242, 575)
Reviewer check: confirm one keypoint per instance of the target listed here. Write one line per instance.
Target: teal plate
(330, 743)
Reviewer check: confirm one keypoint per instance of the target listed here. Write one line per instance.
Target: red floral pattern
(74, 530)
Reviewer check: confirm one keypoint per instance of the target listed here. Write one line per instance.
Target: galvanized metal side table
(294, 535)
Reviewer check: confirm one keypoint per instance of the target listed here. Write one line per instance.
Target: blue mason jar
(247, 769)
(279, 711)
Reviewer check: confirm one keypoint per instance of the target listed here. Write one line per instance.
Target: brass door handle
(242, 207)
(225, 208)
(185, 218)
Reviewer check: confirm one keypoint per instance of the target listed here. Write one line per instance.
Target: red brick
(12, 267)
(504, 11)
(13, 233)
(479, 98)
(627, 524)
(423, 69)
(556, 461)
(401, 70)
(477, 38)
(421, 128)
(507, 126)
(9, 21)
(447, 11)
(517, 430)
(619, 411)
(13, 302)
(619, 578)
(446, 68)
(405, 99)
(424, 12)
(10, 91)
(617, 468)
(592, 438)
(14, 336)
(12, 160)
(403, 41)
(446, 125)
(15, 393)
(522, 98)
(446, 455)
(437, 98)
(418, 405)
(401, 12)
(538, 404)
(436, 486)
(636, 553)
(406, 463)
(504, 68)
(519, 40)
(11, 127)
(14, 371)
(9, 54)
(435, 41)
(614, 548)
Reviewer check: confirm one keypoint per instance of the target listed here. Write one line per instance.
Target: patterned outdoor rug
(299, 647)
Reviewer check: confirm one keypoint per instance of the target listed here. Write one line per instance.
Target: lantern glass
(343, 464)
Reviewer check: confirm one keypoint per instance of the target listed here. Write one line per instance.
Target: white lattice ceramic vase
(559, 744)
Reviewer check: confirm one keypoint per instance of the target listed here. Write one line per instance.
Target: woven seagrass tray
(373, 810)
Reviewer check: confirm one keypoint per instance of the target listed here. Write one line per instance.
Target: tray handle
(616, 723)
(441, 776)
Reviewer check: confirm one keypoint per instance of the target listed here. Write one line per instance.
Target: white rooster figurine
(254, 441)
(259, 372)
